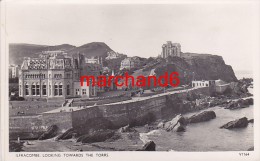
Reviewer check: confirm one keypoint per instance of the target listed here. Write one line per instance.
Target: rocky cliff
(194, 67)
(208, 67)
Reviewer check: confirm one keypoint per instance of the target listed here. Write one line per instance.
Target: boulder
(251, 121)
(160, 125)
(178, 124)
(250, 101)
(181, 128)
(126, 129)
(251, 149)
(201, 117)
(239, 123)
(149, 146)
(183, 121)
(148, 127)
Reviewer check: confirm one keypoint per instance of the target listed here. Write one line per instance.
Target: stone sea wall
(27, 127)
(111, 116)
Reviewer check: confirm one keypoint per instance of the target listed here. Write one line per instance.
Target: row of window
(57, 75)
(33, 76)
(58, 90)
(200, 84)
(35, 89)
(36, 76)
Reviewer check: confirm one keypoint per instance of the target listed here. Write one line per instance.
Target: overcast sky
(223, 29)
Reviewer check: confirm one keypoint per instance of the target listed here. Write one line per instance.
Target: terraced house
(54, 74)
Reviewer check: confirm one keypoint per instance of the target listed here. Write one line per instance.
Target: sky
(225, 29)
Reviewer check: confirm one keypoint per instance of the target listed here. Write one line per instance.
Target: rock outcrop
(239, 123)
(201, 117)
(177, 124)
(241, 103)
(66, 135)
(126, 128)
(51, 132)
(149, 146)
(96, 136)
(251, 121)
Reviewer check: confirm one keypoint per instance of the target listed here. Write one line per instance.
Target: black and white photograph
(107, 77)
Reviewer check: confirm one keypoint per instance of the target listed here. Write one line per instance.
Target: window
(77, 91)
(37, 89)
(60, 89)
(68, 89)
(55, 89)
(20, 87)
(193, 84)
(44, 89)
(207, 85)
(57, 75)
(26, 89)
(49, 90)
(84, 91)
(33, 89)
(93, 91)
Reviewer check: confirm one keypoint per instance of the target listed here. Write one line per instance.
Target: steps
(67, 103)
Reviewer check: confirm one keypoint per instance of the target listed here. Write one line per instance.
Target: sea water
(207, 136)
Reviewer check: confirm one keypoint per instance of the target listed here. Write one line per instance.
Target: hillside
(63, 47)
(19, 51)
(92, 49)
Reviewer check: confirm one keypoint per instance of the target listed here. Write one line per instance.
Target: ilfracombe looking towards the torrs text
(49, 109)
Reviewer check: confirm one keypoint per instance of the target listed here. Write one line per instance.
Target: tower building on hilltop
(171, 49)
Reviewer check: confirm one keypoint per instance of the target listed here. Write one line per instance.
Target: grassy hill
(92, 49)
(17, 52)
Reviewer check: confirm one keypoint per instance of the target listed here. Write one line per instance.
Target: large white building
(55, 75)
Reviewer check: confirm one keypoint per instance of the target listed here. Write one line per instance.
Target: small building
(130, 63)
(127, 63)
(114, 55)
(222, 86)
(203, 83)
(93, 60)
(218, 86)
